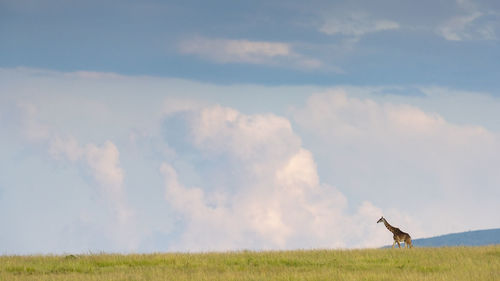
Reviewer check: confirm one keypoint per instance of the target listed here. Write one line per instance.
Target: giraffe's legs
(408, 243)
(393, 243)
(399, 245)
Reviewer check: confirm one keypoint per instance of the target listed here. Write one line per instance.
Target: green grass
(454, 263)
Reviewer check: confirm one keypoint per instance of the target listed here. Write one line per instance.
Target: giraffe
(399, 236)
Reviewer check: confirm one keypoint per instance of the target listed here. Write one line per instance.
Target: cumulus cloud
(246, 51)
(173, 105)
(69, 148)
(278, 201)
(356, 25)
(318, 177)
(31, 127)
(401, 155)
(263, 137)
(104, 164)
(355, 117)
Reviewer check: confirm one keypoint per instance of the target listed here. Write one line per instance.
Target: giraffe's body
(398, 235)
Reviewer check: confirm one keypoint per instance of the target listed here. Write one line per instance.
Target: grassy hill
(469, 238)
(450, 263)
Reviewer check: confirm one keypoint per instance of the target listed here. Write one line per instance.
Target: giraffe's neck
(390, 227)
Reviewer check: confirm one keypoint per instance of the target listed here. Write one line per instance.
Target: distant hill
(469, 238)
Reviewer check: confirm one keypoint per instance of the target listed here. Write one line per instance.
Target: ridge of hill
(468, 238)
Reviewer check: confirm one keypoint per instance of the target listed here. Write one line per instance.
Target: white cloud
(467, 27)
(265, 137)
(61, 148)
(247, 180)
(103, 162)
(299, 172)
(104, 165)
(92, 75)
(246, 51)
(173, 105)
(31, 127)
(473, 24)
(356, 24)
(356, 117)
(226, 51)
(277, 201)
(405, 157)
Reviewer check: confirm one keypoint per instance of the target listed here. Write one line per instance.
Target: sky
(165, 126)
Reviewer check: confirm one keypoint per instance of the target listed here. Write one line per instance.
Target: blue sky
(450, 43)
(192, 125)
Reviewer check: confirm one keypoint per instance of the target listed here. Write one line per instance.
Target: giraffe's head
(381, 219)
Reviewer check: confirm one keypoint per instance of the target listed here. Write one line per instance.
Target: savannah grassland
(453, 263)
